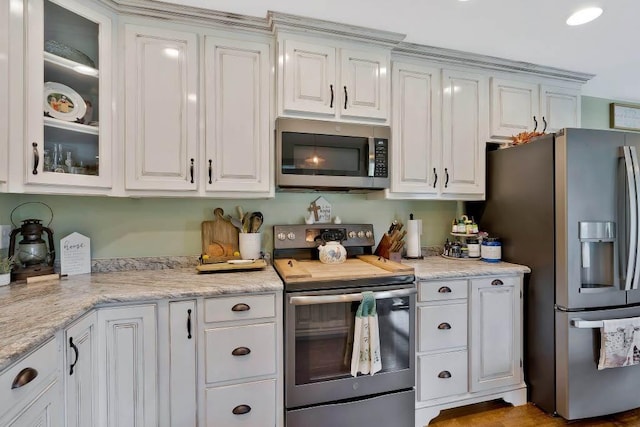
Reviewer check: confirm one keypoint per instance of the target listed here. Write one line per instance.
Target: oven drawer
(442, 327)
(249, 404)
(239, 308)
(254, 347)
(443, 374)
(43, 360)
(442, 290)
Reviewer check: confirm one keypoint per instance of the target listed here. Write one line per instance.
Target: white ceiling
(524, 30)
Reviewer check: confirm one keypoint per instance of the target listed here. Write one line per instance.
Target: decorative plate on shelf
(62, 102)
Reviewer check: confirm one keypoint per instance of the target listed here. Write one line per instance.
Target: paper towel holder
(413, 239)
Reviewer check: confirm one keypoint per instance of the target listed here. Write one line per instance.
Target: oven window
(310, 154)
(324, 339)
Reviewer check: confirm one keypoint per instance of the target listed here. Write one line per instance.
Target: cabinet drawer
(254, 404)
(442, 290)
(443, 374)
(43, 360)
(496, 282)
(239, 308)
(442, 326)
(258, 341)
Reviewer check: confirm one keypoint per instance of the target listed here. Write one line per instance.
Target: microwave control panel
(381, 158)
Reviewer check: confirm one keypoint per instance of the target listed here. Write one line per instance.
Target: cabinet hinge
(521, 363)
(520, 294)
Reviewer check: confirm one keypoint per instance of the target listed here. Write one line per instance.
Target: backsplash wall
(126, 227)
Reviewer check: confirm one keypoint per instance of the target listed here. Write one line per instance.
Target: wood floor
(500, 414)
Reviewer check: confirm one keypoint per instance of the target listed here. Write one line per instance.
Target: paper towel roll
(414, 231)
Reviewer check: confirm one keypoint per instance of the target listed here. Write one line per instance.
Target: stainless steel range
(320, 305)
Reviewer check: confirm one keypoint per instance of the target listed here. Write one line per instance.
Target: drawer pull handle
(241, 409)
(444, 325)
(241, 351)
(76, 351)
(444, 290)
(241, 307)
(189, 324)
(24, 377)
(497, 282)
(444, 374)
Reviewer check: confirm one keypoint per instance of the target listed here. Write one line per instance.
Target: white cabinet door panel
(464, 133)
(182, 375)
(513, 106)
(237, 123)
(309, 78)
(364, 89)
(4, 92)
(81, 372)
(495, 333)
(43, 411)
(128, 360)
(160, 105)
(243, 405)
(416, 129)
(561, 107)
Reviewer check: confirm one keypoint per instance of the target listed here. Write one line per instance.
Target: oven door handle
(330, 299)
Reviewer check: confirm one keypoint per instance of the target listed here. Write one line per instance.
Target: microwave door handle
(331, 299)
(372, 157)
(633, 218)
(635, 224)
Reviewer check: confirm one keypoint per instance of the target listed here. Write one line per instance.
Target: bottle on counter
(473, 247)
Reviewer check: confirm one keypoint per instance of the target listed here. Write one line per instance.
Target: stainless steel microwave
(329, 155)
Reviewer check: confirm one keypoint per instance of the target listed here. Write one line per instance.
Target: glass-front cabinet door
(68, 86)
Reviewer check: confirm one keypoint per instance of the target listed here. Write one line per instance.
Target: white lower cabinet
(80, 372)
(248, 404)
(469, 343)
(127, 359)
(30, 389)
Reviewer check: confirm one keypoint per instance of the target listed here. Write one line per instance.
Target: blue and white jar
(491, 249)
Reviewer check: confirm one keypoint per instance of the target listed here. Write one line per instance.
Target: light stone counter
(437, 267)
(31, 313)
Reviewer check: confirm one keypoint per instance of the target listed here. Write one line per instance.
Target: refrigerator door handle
(586, 324)
(632, 177)
(636, 221)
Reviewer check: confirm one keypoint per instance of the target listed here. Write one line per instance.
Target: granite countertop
(31, 314)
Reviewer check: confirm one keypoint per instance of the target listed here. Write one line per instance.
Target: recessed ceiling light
(585, 15)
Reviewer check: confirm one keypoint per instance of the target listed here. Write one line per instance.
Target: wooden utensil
(219, 237)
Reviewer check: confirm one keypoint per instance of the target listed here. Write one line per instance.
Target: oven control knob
(368, 234)
(360, 234)
(291, 235)
(281, 236)
(352, 234)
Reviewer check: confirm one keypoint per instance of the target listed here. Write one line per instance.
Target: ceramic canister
(491, 250)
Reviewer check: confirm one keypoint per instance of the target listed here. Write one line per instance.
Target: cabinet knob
(444, 374)
(241, 307)
(241, 351)
(444, 290)
(241, 409)
(444, 325)
(24, 377)
(497, 282)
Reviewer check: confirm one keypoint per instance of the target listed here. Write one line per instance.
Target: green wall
(124, 227)
(595, 112)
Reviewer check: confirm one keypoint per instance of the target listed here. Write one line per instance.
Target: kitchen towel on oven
(619, 343)
(365, 357)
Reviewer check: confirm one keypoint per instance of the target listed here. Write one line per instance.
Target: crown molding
(279, 21)
(457, 57)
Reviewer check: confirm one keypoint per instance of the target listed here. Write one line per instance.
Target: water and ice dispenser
(598, 257)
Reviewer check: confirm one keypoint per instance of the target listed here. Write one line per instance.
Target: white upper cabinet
(560, 106)
(239, 148)
(68, 95)
(522, 106)
(465, 119)
(416, 141)
(322, 80)
(161, 91)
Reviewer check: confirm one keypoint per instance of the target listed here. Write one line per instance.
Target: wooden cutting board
(225, 266)
(364, 266)
(219, 238)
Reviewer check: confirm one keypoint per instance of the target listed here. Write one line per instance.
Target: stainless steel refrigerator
(567, 206)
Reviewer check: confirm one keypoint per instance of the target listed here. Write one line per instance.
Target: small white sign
(321, 209)
(75, 254)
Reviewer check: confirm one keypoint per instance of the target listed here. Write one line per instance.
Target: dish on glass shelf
(63, 103)
(67, 52)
